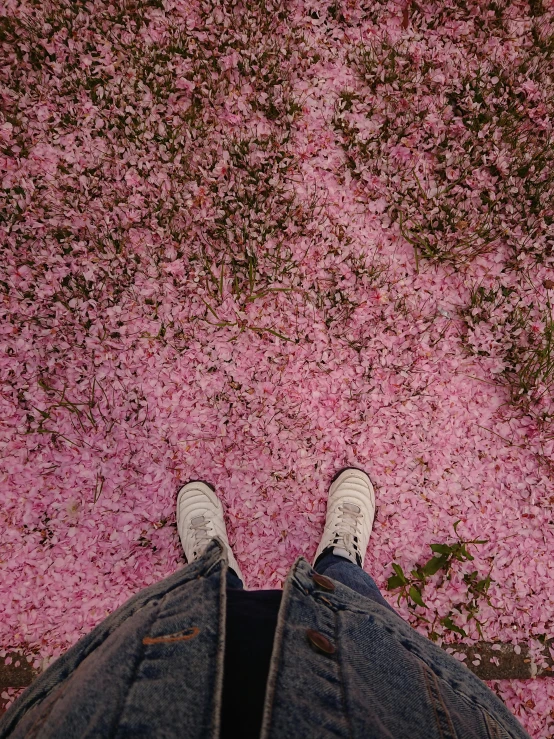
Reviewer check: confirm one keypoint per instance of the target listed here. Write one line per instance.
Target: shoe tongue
(197, 521)
(351, 507)
(340, 552)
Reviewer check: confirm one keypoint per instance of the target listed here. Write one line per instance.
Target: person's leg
(349, 574)
(350, 514)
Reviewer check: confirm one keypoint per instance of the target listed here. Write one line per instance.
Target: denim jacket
(342, 666)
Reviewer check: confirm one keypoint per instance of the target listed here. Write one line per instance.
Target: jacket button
(320, 642)
(323, 582)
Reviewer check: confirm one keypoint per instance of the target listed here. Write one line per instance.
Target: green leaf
(462, 555)
(394, 582)
(441, 548)
(451, 626)
(415, 595)
(456, 526)
(400, 572)
(482, 586)
(434, 565)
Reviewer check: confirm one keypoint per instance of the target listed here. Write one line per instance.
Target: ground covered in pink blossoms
(253, 245)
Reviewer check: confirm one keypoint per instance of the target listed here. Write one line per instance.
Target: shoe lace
(201, 530)
(348, 530)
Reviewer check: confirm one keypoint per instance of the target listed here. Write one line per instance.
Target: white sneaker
(350, 514)
(199, 519)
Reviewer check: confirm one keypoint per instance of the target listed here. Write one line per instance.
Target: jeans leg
(349, 574)
(233, 580)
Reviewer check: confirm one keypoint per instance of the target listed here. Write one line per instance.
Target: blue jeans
(340, 569)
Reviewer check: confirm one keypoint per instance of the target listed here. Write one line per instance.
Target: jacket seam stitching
(273, 674)
(436, 681)
(220, 654)
(492, 728)
(497, 722)
(140, 658)
(433, 703)
(210, 569)
(35, 728)
(341, 679)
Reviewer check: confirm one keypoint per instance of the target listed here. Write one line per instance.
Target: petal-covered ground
(253, 245)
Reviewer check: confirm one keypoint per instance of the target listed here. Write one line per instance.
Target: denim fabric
(349, 574)
(343, 665)
(234, 581)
